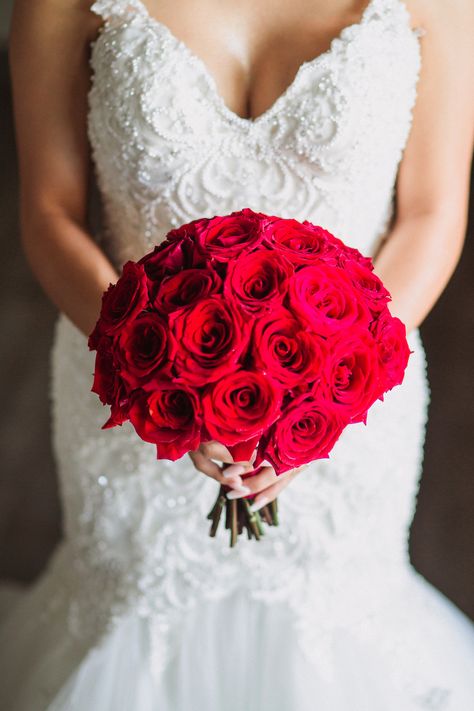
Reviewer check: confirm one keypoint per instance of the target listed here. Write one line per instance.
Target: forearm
(70, 267)
(416, 262)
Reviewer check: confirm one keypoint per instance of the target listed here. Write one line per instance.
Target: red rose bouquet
(256, 331)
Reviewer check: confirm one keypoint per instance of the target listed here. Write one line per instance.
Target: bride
(354, 115)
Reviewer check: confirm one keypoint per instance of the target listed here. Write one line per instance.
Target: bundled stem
(238, 516)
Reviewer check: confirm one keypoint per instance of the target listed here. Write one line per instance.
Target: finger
(262, 480)
(205, 465)
(271, 492)
(211, 469)
(216, 450)
(220, 454)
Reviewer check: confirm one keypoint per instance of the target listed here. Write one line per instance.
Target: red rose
(337, 247)
(307, 430)
(108, 385)
(352, 373)
(212, 335)
(324, 297)
(185, 288)
(302, 243)
(258, 281)
(239, 407)
(170, 257)
(145, 347)
(106, 381)
(170, 418)
(189, 229)
(121, 302)
(226, 237)
(393, 350)
(343, 252)
(291, 355)
(369, 285)
(351, 255)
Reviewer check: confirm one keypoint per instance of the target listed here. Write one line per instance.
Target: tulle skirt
(237, 654)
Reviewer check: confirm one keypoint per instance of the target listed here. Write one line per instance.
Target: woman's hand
(265, 486)
(206, 459)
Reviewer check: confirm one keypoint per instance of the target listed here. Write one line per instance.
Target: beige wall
(5, 10)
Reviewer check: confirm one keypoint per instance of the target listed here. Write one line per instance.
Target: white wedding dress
(139, 609)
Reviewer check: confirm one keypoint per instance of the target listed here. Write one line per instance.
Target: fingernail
(238, 493)
(233, 470)
(237, 483)
(265, 463)
(259, 503)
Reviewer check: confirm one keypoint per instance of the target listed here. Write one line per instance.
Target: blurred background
(442, 534)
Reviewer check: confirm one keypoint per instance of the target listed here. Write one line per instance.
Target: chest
(254, 50)
(150, 91)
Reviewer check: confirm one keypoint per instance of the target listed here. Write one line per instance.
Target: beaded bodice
(167, 150)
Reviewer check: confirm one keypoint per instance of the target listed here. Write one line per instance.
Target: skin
(253, 50)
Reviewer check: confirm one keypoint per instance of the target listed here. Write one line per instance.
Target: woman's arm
(424, 246)
(50, 76)
(49, 62)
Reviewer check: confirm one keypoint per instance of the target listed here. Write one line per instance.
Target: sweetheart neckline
(346, 33)
(349, 32)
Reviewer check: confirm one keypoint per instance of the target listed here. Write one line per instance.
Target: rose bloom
(351, 255)
(302, 243)
(342, 252)
(121, 302)
(369, 286)
(168, 258)
(258, 281)
(307, 430)
(223, 238)
(170, 417)
(352, 374)
(108, 384)
(212, 335)
(324, 297)
(145, 347)
(393, 350)
(239, 407)
(189, 229)
(185, 288)
(286, 351)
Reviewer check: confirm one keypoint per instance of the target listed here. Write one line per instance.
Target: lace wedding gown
(140, 610)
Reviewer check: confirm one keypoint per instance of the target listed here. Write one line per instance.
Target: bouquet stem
(238, 516)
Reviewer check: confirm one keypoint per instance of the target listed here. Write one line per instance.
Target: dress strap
(116, 8)
(392, 10)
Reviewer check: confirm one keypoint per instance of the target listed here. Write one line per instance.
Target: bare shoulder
(447, 45)
(73, 17)
(449, 19)
(49, 49)
(433, 10)
(440, 143)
